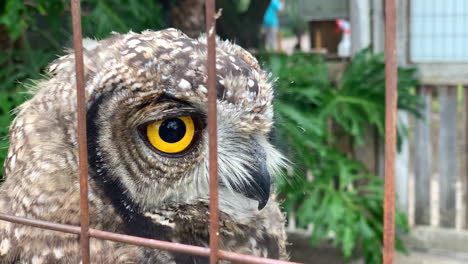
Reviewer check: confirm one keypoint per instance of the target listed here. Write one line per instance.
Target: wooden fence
(431, 173)
(434, 166)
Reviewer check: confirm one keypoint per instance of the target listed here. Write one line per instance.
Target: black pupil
(172, 130)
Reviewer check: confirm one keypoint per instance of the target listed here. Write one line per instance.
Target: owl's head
(147, 111)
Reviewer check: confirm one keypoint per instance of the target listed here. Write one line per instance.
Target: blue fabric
(270, 19)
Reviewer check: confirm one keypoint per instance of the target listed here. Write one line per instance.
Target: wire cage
(213, 252)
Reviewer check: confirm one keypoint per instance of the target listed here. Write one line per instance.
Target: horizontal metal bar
(182, 248)
(41, 224)
(151, 243)
(139, 241)
(227, 255)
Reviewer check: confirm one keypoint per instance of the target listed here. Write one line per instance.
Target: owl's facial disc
(147, 141)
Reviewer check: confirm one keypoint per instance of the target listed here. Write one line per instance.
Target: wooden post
(447, 153)
(360, 25)
(464, 176)
(378, 25)
(423, 159)
(318, 39)
(402, 166)
(280, 42)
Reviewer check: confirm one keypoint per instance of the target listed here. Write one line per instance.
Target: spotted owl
(146, 100)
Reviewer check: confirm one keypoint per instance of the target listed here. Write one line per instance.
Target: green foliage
(343, 199)
(52, 19)
(11, 94)
(121, 16)
(8, 102)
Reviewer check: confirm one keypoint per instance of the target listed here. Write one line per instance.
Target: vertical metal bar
(82, 149)
(390, 131)
(212, 130)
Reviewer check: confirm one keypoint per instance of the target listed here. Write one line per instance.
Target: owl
(147, 141)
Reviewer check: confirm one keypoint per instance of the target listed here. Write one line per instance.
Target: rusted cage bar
(212, 129)
(390, 131)
(138, 241)
(82, 145)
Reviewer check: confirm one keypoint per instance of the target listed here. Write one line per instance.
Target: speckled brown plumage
(132, 79)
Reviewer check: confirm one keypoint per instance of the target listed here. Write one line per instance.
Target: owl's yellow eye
(172, 135)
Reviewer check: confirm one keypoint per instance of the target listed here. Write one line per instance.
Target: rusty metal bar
(212, 129)
(82, 146)
(138, 241)
(151, 243)
(240, 258)
(182, 248)
(41, 224)
(390, 131)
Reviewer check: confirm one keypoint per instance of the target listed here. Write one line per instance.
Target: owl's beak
(258, 187)
(261, 185)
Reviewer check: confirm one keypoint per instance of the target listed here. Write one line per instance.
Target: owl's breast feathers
(261, 235)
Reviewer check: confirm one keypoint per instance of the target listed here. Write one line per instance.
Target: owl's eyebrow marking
(169, 98)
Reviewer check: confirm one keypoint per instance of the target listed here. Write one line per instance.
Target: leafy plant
(11, 94)
(343, 200)
(51, 18)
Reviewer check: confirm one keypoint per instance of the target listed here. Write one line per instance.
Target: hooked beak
(258, 187)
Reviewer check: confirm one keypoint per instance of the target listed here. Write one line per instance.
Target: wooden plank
(403, 23)
(377, 26)
(447, 153)
(435, 199)
(464, 176)
(423, 159)
(411, 201)
(360, 25)
(402, 165)
(461, 150)
(459, 206)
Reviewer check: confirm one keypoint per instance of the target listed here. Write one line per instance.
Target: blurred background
(327, 56)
